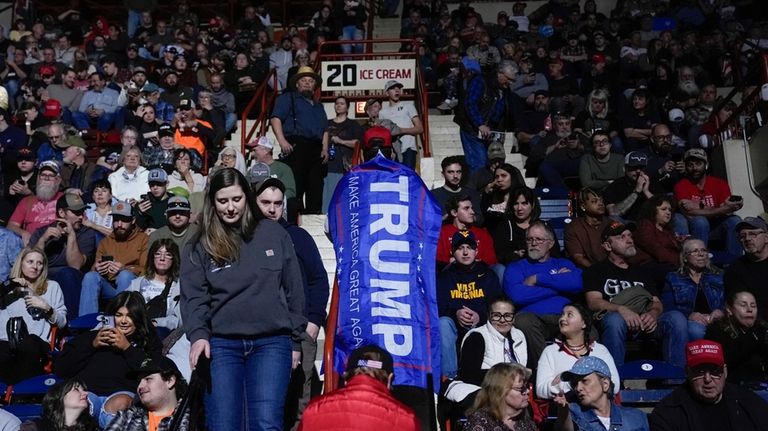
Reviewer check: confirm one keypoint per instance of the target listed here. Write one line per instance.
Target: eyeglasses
(714, 372)
(166, 255)
(523, 390)
(498, 317)
(46, 176)
(532, 240)
(605, 141)
(228, 157)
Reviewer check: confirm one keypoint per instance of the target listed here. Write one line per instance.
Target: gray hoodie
(223, 100)
(259, 294)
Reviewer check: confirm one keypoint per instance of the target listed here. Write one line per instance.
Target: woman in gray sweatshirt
(241, 303)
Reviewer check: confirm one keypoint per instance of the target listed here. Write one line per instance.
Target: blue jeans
(449, 359)
(134, 21)
(672, 328)
(104, 123)
(12, 87)
(696, 331)
(680, 224)
(249, 383)
(475, 152)
(230, 121)
(70, 280)
(351, 32)
(96, 286)
(329, 186)
(499, 269)
(96, 407)
(701, 228)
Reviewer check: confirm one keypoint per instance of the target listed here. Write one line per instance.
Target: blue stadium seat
(554, 203)
(35, 385)
(648, 369)
(558, 225)
(84, 323)
(24, 412)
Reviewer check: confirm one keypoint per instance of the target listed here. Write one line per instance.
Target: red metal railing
(750, 98)
(265, 97)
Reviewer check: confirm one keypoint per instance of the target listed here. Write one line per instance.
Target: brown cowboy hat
(302, 72)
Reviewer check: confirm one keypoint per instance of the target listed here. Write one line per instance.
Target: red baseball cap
(598, 57)
(703, 352)
(47, 71)
(52, 109)
(377, 136)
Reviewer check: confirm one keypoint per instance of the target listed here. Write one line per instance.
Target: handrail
(424, 101)
(420, 92)
(331, 380)
(261, 95)
(372, 7)
(747, 105)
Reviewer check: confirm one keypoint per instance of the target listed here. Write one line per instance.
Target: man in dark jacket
(484, 104)
(706, 401)
(463, 290)
(365, 401)
(269, 198)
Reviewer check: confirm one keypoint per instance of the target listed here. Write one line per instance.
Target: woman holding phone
(107, 358)
(241, 304)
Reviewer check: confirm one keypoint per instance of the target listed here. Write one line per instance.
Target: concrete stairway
(386, 28)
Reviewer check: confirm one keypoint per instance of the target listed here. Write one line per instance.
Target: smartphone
(735, 198)
(62, 225)
(22, 182)
(107, 258)
(143, 197)
(107, 321)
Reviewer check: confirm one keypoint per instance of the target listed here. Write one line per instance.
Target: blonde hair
(40, 286)
(132, 148)
(497, 382)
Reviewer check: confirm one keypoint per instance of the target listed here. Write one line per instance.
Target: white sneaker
(445, 106)
(453, 103)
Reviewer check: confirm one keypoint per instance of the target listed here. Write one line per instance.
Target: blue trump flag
(385, 226)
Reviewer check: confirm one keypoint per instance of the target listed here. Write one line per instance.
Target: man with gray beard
(540, 286)
(38, 210)
(610, 287)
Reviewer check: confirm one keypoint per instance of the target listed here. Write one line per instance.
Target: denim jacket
(622, 419)
(680, 292)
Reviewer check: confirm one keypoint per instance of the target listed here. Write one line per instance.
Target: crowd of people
(188, 250)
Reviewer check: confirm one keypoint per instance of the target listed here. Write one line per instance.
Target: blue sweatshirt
(553, 289)
(313, 273)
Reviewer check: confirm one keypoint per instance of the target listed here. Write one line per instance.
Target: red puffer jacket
(364, 404)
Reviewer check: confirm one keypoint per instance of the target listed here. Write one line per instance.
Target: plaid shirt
(136, 419)
(476, 88)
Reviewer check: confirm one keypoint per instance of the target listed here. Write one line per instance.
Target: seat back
(660, 373)
(554, 203)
